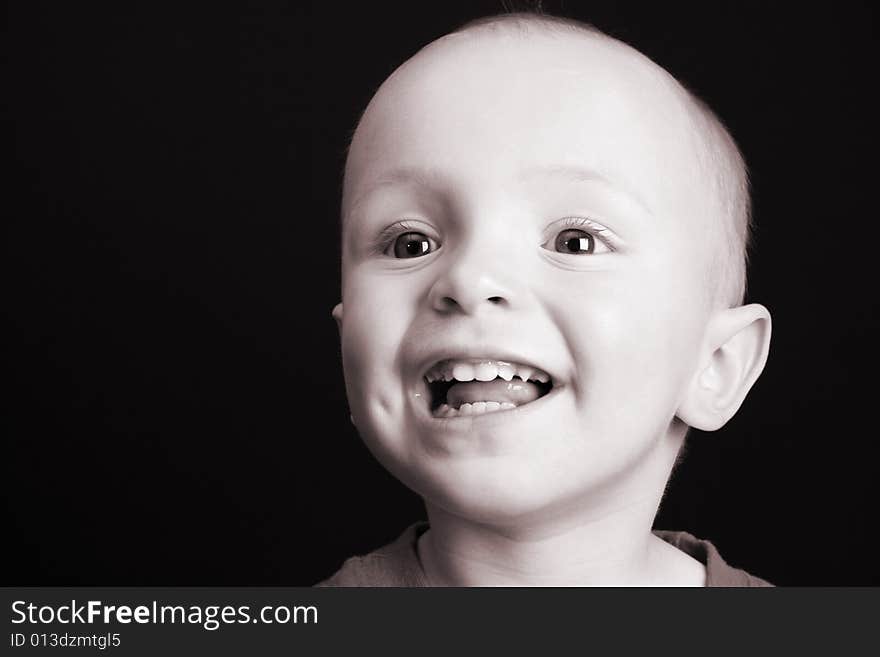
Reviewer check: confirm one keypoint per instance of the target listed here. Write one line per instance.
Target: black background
(176, 412)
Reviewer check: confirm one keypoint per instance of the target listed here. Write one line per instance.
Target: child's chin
(492, 497)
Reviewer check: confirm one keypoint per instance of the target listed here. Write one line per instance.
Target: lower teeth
(477, 408)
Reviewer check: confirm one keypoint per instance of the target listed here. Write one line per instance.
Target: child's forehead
(489, 79)
(479, 110)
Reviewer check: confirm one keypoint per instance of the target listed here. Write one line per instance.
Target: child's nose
(470, 283)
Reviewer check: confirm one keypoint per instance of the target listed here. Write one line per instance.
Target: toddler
(543, 269)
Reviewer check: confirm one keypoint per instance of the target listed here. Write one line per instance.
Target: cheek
(378, 312)
(633, 336)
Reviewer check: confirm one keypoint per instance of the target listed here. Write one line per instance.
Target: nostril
(496, 300)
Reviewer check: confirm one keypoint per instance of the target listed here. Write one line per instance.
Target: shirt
(397, 564)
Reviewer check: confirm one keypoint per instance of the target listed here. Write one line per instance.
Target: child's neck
(612, 549)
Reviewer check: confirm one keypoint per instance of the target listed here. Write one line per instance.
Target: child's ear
(734, 353)
(337, 314)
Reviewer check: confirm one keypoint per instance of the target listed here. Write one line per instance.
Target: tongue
(498, 390)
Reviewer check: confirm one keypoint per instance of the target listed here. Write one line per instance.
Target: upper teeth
(483, 370)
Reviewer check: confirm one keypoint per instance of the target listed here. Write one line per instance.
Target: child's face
(553, 218)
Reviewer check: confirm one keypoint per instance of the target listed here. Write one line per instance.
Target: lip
(464, 422)
(478, 350)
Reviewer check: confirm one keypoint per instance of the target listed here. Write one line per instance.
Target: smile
(478, 386)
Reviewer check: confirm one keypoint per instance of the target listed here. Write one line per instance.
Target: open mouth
(474, 386)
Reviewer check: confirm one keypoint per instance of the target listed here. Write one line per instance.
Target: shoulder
(718, 571)
(395, 564)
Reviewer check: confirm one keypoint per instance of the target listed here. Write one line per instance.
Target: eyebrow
(431, 178)
(575, 173)
(421, 176)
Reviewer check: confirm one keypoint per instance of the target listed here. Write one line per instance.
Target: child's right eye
(412, 245)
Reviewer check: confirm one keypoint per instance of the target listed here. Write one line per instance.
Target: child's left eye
(579, 236)
(575, 241)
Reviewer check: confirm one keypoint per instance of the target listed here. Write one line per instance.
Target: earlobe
(337, 314)
(735, 351)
